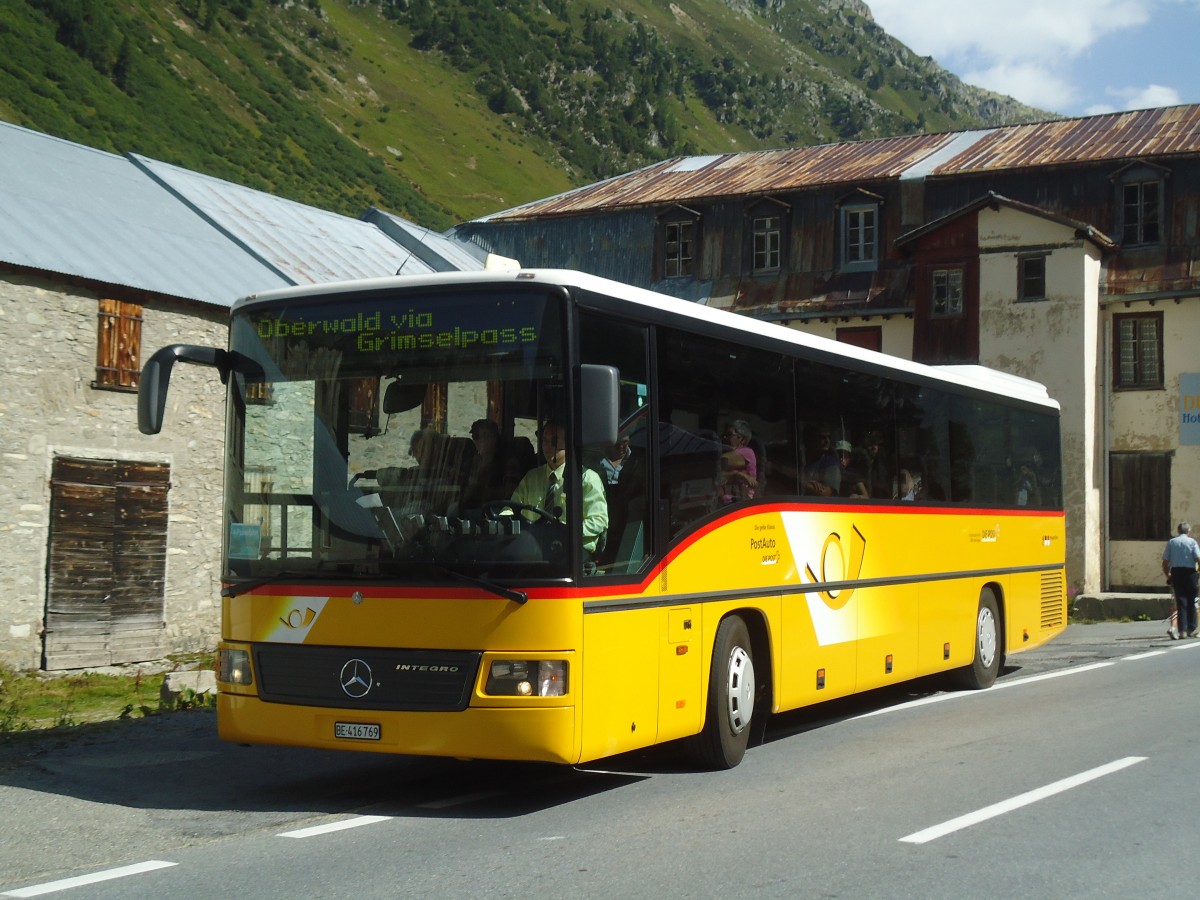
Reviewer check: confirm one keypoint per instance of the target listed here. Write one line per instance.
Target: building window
(118, 345)
(947, 292)
(768, 239)
(1140, 487)
(1140, 212)
(678, 252)
(1031, 278)
(859, 237)
(1137, 354)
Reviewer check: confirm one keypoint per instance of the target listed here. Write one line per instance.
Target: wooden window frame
(1141, 216)
(1138, 351)
(679, 257)
(767, 243)
(1031, 285)
(951, 290)
(118, 345)
(860, 237)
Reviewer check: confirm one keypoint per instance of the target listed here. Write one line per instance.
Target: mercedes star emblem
(356, 678)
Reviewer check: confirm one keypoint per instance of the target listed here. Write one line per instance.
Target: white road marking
(1005, 806)
(999, 685)
(81, 880)
(1146, 655)
(334, 826)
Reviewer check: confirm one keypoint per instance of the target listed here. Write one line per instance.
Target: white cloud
(1022, 48)
(1031, 83)
(1006, 31)
(1148, 97)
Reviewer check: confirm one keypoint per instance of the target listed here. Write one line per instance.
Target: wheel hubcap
(741, 689)
(987, 637)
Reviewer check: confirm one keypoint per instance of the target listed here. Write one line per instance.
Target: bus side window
(624, 468)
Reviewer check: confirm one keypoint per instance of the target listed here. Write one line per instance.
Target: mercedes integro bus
(785, 519)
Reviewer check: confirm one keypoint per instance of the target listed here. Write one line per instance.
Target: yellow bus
(749, 519)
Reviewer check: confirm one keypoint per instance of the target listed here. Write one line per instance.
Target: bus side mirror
(156, 376)
(599, 389)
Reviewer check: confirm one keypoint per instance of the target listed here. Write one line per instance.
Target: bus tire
(726, 734)
(989, 645)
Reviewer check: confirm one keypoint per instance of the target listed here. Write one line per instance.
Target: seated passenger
(873, 465)
(852, 483)
(824, 476)
(485, 479)
(908, 485)
(739, 465)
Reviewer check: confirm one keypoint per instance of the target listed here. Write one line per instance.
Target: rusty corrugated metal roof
(1128, 135)
(740, 175)
(1140, 134)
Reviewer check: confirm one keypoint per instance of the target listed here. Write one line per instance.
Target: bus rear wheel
(726, 734)
(989, 645)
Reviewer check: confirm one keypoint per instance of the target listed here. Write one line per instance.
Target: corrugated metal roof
(740, 174)
(76, 211)
(1141, 134)
(136, 222)
(426, 249)
(303, 244)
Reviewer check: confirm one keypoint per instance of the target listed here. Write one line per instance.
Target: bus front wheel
(726, 734)
(989, 645)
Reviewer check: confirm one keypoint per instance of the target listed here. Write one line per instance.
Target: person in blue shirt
(1179, 564)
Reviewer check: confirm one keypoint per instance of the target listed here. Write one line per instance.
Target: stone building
(111, 539)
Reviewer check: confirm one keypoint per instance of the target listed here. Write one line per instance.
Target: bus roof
(977, 377)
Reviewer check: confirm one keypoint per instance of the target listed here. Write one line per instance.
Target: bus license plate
(356, 731)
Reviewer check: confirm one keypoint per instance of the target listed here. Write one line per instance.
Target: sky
(1072, 57)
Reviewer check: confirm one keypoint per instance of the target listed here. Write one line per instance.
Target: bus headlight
(233, 667)
(527, 678)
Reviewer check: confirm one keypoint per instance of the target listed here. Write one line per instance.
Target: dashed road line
(63, 884)
(1013, 803)
(340, 825)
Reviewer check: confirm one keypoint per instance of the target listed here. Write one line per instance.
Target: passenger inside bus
(496, 468)
(739, 464)
(852, 482)
(908, 484)
(872, 464)
(824, 477)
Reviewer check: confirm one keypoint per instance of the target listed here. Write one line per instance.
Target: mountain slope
(446, 110)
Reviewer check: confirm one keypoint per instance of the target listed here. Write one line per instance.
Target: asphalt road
(1066, 779)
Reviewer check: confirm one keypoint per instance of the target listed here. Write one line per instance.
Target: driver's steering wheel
(493, 509)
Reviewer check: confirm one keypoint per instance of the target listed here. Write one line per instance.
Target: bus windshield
(379, 435)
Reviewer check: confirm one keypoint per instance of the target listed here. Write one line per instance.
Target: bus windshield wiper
(240, 587)
(490, 586)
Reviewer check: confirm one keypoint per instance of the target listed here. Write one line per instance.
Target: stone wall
(48, 408)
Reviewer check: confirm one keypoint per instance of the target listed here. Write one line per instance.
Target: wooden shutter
(119, 344)
(107, 562)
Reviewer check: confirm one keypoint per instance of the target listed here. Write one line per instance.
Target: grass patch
(34, 701)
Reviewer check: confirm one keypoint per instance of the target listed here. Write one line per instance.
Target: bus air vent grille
(1053, 608)
(367, 677)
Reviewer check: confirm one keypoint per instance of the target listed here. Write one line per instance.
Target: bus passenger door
(681, 695)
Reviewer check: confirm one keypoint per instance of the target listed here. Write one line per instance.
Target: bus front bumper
(542, 734)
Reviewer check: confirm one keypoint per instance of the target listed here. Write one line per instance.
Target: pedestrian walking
(1179, 565)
